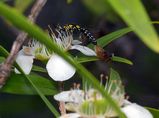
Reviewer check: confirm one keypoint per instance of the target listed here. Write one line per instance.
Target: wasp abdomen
(84, 31)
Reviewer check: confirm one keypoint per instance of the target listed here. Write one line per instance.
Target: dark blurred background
(140, 80)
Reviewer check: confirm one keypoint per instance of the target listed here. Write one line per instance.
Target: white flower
(24, 61)
(90, 103)
(133, 110)
(76, 96)
(38, 50)
(71, 115)
(28, 53)
(74, 100)
(58, 69)
(65, 40)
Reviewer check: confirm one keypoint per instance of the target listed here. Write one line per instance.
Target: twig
(5, 68)
(61, 103)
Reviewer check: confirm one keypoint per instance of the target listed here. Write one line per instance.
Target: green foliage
(38, 69)
(33, 83)
(69, 1)
(113, 58)
(21, 6)
(46, 101)
(2, 59)
(3, 52)
(105, 40)
(37, 33)
(134, 14)
(17, 84)
(101, 8)
(115, 82)
(121, 60)
(155, 112)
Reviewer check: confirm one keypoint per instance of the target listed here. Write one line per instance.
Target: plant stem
(5, 68)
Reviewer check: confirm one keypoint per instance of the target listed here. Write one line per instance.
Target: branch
(5, 68)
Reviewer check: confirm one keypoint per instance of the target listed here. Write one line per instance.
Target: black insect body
(76, 28)
(88, 35)
(101, 53)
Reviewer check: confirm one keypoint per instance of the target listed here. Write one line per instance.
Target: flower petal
(76, 42)
(75, 96)
(59, 69)
(85, 50)
(71, 115)
(25, 62)
(133, 110)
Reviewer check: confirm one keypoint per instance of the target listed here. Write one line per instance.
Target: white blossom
(25, 62)
(90, 103)
(70, 115)
(58, 69)
(133, 110)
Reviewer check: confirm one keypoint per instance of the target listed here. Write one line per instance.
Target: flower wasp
(101, 53)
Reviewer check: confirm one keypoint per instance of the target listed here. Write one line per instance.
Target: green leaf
(121, 60)
(154, 112)
(34, 31)
(69, 1)
(2, 59)
(17, 84)
(21, 6)
(3, 52)
(47, 102)
(134, 14)
(100, 8)
(105, 40)
(86, 59)
(38, 69)
(113, 58)
(19, 105)
(114, 75)
(50, 106)
(115, 84)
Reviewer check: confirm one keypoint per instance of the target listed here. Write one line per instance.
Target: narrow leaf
(86, 59)
(116, 84)
(100, 8)
(21, 6)
(113, 58)
(47, 102)
(1, 59)
(154, 112)
(17, 84)
(50, 106)
(38, 69)
(121, 60)
(34, 31)
(3, 52)
(105, 40)
(134, 14)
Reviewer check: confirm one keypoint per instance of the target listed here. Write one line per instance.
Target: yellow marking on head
(77, 26)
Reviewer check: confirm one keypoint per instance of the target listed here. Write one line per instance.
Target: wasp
(85, 32)
(101, 53)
